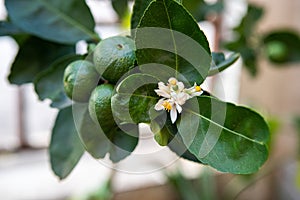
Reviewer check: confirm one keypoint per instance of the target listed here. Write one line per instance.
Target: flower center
(198, 88)
(167, 105)
(173, 81)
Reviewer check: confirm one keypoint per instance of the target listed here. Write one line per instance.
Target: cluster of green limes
(112, 58)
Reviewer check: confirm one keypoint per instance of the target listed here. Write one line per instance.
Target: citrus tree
(152, 75)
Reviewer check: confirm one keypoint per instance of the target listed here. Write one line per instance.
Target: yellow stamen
(173, 82)
(198, 88)
(167, 106)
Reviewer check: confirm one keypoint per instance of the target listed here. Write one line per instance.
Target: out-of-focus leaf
(49, 83)
(220, 63)
(65, 147)
(60, 21)
(282, 46)
(249, 21)
(8, 28)
(297, 126)
(297, 123)
(200, 9)
(34, 56)
(185, 188)
(168, 35)
(245, 36)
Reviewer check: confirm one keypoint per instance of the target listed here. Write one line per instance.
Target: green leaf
(124, 140)
(246, 42)
(247, 26)
(121, 7)
(134, 98)
(34, 56)
(49, 83)
(168, 35)
(220, 63)
(60, 21)
(8, 28)
(65, 147)
(200, 9)
(282, 46)
(297, 124)
(247, 52)
(227, 137)
(166, 133)
(119, 145)
(196, 8)
(139, 8)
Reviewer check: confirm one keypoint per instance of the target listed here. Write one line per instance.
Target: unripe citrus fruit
(277, 51)
(80, 78)
(114, 56)
(100, 107)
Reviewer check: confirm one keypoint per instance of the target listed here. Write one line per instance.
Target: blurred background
(272, 88)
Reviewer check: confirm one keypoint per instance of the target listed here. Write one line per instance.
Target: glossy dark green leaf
(49, 83)
(227, 137)
(220, 63)
(119, 144)
(8, 28)
(121, 7)
(168, 35)
(139, 8)
(60, 21)
(196, 8)
(134, 98)
(166, 133)
(65, 147)
(123, 141)
(217, 57)
(282, 46)
(34, 56)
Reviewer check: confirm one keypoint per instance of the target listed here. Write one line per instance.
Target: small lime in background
(80, 78)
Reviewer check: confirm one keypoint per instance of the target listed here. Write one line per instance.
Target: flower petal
(159, 105)
(178, 107)
(173, 114)
(181, 98)
(180, 86)
(162, 86)
(162, 93)
(196, 94)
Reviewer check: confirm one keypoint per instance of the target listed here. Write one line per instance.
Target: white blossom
(174, 96)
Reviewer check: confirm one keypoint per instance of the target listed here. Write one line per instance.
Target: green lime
(80, 78)
(100, 107)
(277, 51)
(114, 56)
